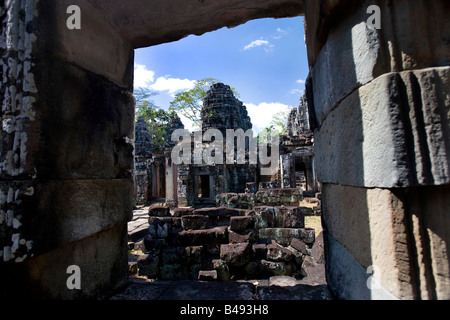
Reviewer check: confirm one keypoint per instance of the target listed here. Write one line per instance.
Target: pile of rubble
(225, 244)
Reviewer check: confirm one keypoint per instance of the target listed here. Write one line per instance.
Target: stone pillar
(380, 102)
(66, 150)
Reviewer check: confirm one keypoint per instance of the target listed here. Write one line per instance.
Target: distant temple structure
(158, 178)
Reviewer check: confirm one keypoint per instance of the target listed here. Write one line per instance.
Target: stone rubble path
(274, 288)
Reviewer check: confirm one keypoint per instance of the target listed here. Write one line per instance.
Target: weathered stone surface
(347, 279)
(277, 217)
(194, 254)
(241, 224)
(179, 212)
(172, 222)
(373, 231)
(277, 268)
(317, 250)
(137, 230)
(223, 272)
(315, 275)
(308, 262)
(75, 205)
(209, 237)
(284, 236)
(370, 150)
(235, 255)
(221, 110)
(249, 236)
(283, 281)
(275, 252)
(299, 245)
(159, 211)
(366, 54)
(194, 222)
(159, 229)
(148, 265)
(221, 212)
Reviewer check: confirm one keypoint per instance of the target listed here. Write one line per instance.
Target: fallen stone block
(284, 236)
(159, 227)
(277, 268)
(193, 222)
(299, 245)
(308, 262)
(220, 212)
(159, 211)
(235, 255)
(137, 231)
(277, 217)
(317, 250)
(275, 252)
(283, 281)
(183, 211)
(241, 223)
(207, 237)
(250, 236)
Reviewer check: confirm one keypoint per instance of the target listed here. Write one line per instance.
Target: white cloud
(172, 85)
(143, 78)
(262, 114)
(296, 91)
(257, 43)
(300, 81)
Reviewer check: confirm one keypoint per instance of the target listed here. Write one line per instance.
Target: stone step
(211, 237)
(284, 236)
(277, 217)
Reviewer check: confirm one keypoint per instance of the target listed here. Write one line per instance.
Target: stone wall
(67, 150)
(380, 111)
(224, 244)
(143, 162)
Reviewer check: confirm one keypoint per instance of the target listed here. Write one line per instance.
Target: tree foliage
(189, 103)
(157, 119)
(278, 125)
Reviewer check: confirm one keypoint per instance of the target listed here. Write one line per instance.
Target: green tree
(188, 103)
(278, 125)
(157, 119)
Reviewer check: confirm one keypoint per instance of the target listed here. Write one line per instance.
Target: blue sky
(264, 60)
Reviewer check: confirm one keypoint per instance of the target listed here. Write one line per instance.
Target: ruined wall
(67, 153)
(143, 161)
(380, 101)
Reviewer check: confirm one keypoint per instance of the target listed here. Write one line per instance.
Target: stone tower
(222, 110)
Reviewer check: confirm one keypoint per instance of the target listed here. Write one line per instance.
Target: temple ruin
(226, 221)
(378, 101)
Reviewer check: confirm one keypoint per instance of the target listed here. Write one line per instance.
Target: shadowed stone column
(67, 150)
(380, 102)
